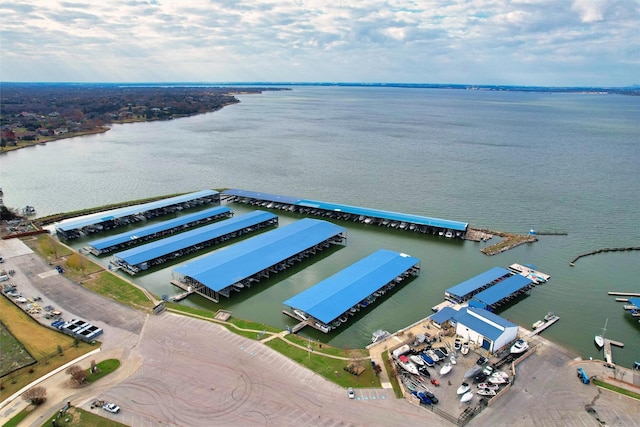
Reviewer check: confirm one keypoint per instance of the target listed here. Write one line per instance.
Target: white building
(479, 326)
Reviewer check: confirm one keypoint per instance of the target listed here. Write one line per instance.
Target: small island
(37, 113)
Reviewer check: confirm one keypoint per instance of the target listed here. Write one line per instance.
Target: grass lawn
(118, 289)
(41, 342)
(13, 354)
(92, 276)
(330, 368)
(616, 389)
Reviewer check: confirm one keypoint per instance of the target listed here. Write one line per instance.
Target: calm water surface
(504, 160)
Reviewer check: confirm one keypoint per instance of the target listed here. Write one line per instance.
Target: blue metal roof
(187, 239)
(331, 297)
(394, 216)
(233, 264)
(463, 289)
(99, 217)
(149, 230)
(416, 219)
(501, 290)
(444, 314)
(262, 196)
(480, 326)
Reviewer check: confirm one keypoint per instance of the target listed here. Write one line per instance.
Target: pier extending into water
(607, 349)
(553, 319)
(597, 251)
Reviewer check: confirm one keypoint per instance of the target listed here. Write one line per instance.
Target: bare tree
(35, 395)
(78, 375)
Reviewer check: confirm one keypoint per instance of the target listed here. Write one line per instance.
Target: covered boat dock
(466, 290)
(502, 292)
(382, 218)
(76, 227)
(163, 229)
(329, 303)
(160, 251)
(246, 263)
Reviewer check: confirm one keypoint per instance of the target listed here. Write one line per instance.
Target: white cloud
(315, 40)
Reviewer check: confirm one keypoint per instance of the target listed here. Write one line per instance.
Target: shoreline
(43, 140)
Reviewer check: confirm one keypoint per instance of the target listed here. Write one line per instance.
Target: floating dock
(548, 323)
(624, 294)
(607, 349)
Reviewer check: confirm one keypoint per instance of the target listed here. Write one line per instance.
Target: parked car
(111, 407)
(482, 360)
(351, 393)
(430, 395)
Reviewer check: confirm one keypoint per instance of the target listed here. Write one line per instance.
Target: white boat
(466, 397)
(432, 355)
(301, 314)
(407, 365)
(403, 349)
(453, 360)
(497, 380)
(489, 386)
(465, 348)
(537, 324)
(379, 335)
(486, 392)
(445, 369)
(500, 374)
(519, 346)
(464, 387)
(599, 339)
(416, 360)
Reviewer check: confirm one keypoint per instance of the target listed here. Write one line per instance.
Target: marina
(401, 221)
(88, 224)
(155, 231)
(248, 262)
(171, 248)
(329, 302)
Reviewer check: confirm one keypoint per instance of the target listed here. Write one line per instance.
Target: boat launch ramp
(155, 231)
(88, 224)
(382, 218)
(331, 302)
(157, 252)
(246, 263)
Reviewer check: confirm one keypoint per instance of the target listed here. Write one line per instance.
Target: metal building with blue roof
(507, 289)
(479, 326)
(464, 291)
(354, 287)
(75, 227)
(165, 228)
(409, 222)
(243, 264)
(157, 252)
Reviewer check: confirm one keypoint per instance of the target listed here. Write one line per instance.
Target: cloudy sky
(515, 42)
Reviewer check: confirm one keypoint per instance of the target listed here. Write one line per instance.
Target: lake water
(503, 160)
